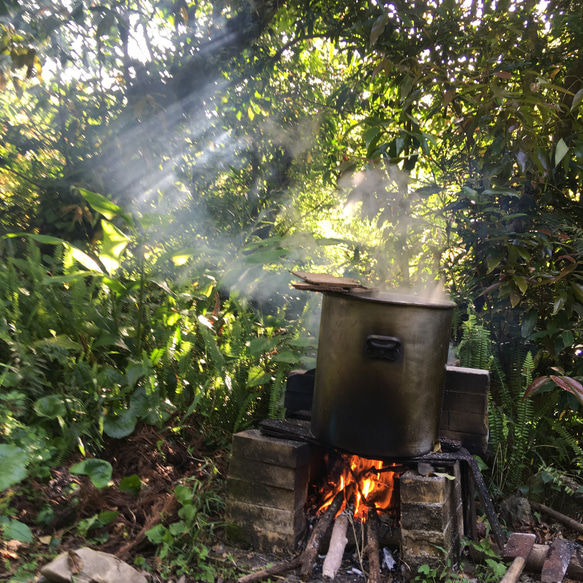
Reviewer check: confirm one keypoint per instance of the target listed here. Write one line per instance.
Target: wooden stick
(311, 550)
(276, 569)
(566, 520)
(338, 542)
(537, 557)
(372, 546)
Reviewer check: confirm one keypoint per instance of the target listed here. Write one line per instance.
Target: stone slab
(425, 543)
(464, 402)
(467, 380)
(468, 423)
(252, 516)
(423, 489)
(255, 493)
(267, 541)
(431, 517)
(252, 444)
(268, 474)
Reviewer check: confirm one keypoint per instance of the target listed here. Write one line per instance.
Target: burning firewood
(311, 550)
(372, 546)
(338, 542)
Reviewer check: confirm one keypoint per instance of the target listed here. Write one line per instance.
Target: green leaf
(15, 530)
(84, 259)
(188, 512)
(101, 204)
(157, 534)
(494, 261)
(114, 243)
(107, 516)
(134, 372)
(70, 277)
(258, 346)
(521, 283)
(44, 239)
(257, 378)
(117, 286)
(183, 494)
(560, 151)
(578, 290)
(178, 528)
(378, 28)
(99, 471)
(62, 341)
(121, 425)
(568, 338)
(131, 484)
(406, 87)
(13, 461)
(51, 406)
(529, 321)
(577, 99)
(287, 357)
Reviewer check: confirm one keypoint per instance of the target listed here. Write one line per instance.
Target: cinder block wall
(431, 518)
(267, 487)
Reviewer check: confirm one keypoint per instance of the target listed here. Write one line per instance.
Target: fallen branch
(338, 542)
(276, 569)
(566, 520)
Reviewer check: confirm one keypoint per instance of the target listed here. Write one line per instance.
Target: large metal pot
(380, 373)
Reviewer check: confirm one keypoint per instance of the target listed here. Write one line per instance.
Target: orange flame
(366, 484)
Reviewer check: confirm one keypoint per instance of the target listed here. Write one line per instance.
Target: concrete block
(251, 444)
(265, 495)
(425, 543)
(464, 402)
(422, 489)
(467, 380)
(468, 423)
(271, 519)
(265, 473)
(431, 517)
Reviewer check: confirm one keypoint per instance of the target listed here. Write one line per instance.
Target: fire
(366, 484)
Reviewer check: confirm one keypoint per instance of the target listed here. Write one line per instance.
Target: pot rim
(397, 298)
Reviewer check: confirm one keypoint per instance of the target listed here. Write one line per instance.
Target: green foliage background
(164, 164)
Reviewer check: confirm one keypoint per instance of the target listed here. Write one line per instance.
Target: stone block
(267, 529)
(265, 473)
(467, 380)
(265, 495)
(253, 445)
(431, 517)
(267, 541)
(418, 489)
(425, 543)
(462, 402)
(264, 517)
(468, 423)
(464, 414)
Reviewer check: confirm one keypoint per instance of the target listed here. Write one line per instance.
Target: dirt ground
(161, 462)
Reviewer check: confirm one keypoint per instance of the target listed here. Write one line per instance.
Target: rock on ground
(87, 565)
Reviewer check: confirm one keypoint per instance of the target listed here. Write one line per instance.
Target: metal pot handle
(387, 348)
